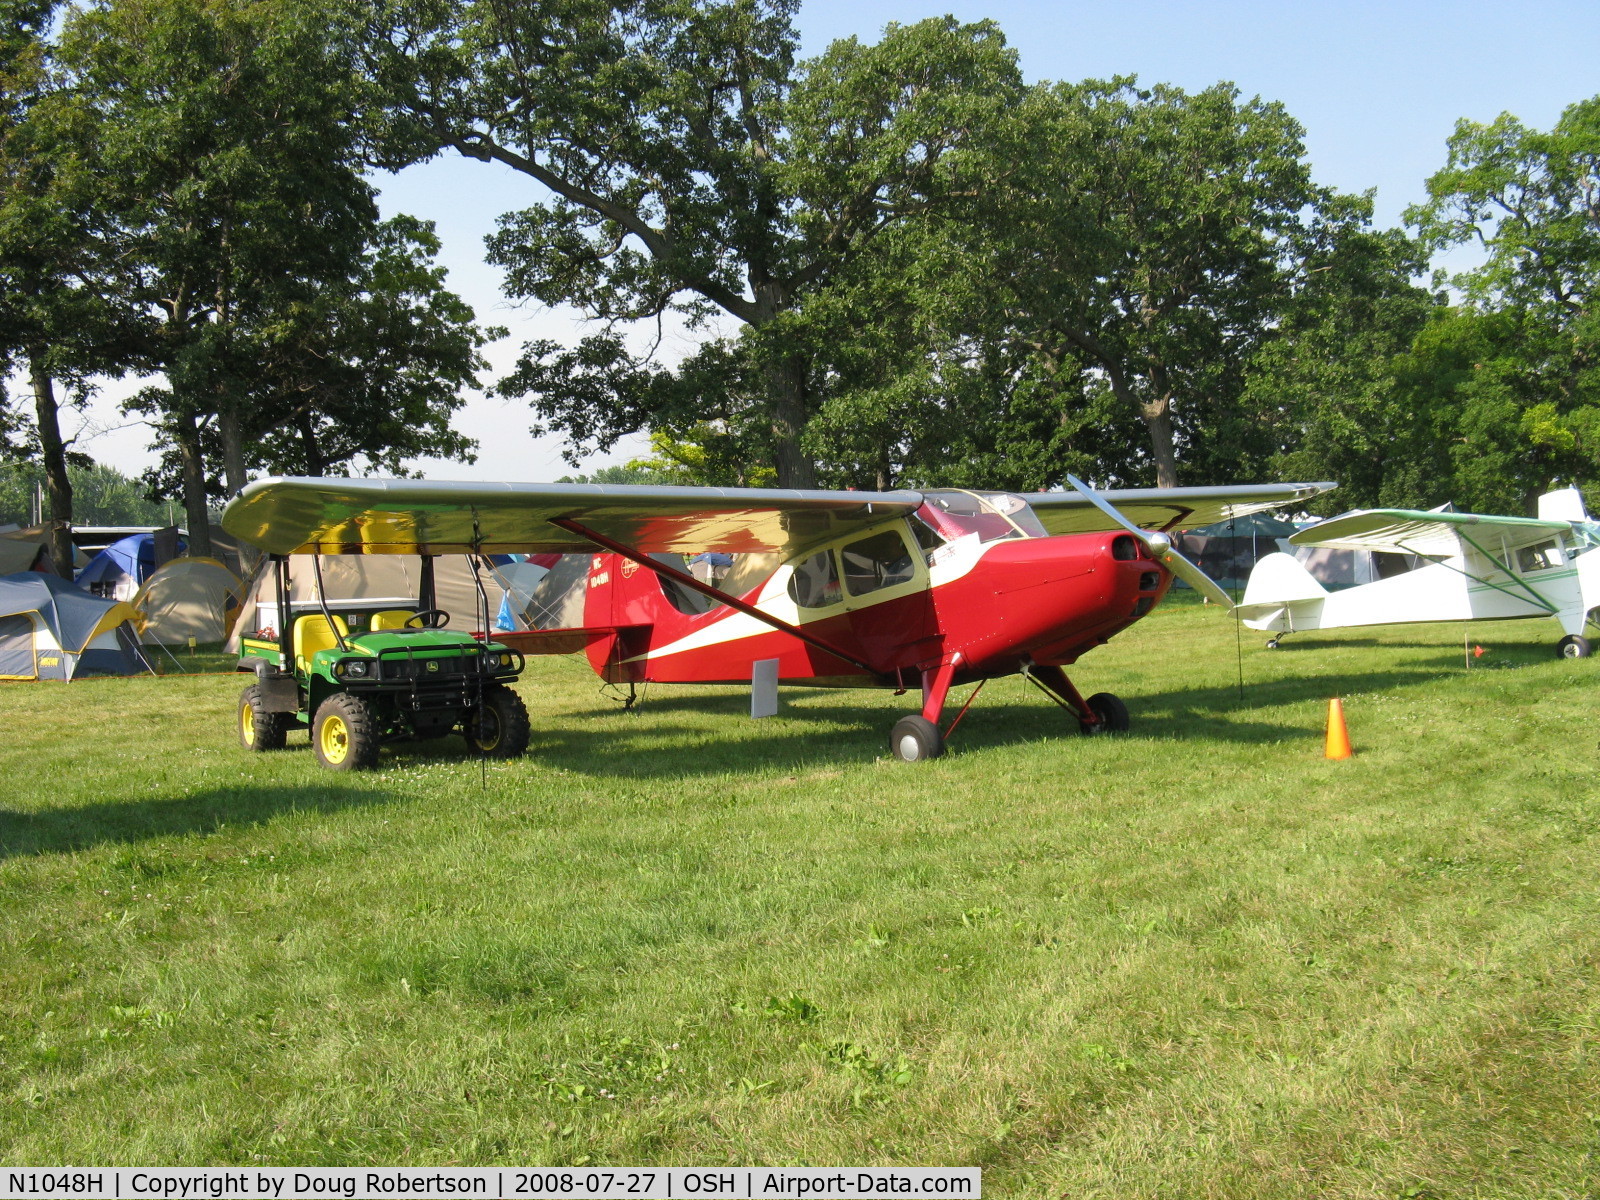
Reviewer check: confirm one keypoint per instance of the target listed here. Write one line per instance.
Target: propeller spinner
(1160, 547)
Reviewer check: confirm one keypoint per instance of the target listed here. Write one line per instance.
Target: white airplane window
(815, 583)
(928, 538)
(879, 561)
(1538, 558)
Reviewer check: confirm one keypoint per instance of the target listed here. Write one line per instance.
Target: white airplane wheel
(1573, 646)
(915, 739)
(1272, 643)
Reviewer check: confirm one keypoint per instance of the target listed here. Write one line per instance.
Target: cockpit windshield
(990, 515)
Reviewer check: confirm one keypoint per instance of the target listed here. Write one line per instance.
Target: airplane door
(886, 594)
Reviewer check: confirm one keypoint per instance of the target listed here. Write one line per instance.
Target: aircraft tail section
(1563, 505)
(1281, 595)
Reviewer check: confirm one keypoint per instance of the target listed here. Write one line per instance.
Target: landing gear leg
(1100, 713)
(917, 738)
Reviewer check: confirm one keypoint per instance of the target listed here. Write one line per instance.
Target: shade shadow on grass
(114, 822)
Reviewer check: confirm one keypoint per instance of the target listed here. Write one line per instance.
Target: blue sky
(1377, 86)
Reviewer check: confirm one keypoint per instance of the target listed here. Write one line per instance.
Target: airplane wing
(413, 516)
(1167, 508)
(1435, 534)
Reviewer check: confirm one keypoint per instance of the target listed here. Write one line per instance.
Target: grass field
(1197, 960)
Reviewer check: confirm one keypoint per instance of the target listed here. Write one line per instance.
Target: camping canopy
(50, 629)
(188, 598)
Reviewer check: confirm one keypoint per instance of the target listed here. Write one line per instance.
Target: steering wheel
(428, 618)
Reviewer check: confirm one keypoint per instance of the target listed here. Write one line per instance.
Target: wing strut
(705, 589)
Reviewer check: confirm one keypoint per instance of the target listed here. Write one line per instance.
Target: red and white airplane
(904, 590)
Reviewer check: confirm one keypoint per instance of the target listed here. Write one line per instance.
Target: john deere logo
(432, 665)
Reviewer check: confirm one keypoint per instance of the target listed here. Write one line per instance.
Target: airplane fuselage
(987, 608)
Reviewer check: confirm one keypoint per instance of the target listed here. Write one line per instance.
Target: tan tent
(20, 550)
(189, 598)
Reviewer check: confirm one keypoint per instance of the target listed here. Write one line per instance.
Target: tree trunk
(786, 380)
(53, 454)
(1157, 415)
(186, 434)
(233, 471)
(313, 448)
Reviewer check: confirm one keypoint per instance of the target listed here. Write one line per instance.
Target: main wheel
(1113, 714)
(500, 728)
(344, 733)
(915, 739)
(1573, 646)
(260, 730)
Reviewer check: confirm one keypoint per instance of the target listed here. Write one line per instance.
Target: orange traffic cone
(1338, 743)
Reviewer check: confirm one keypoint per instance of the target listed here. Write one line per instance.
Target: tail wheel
(1113, 714)
(260, 730)
(915, 739)
(344, 734)
(499, 729)
(1574, 646)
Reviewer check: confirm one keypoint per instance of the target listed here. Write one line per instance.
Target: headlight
(356, 670)
(492, 661)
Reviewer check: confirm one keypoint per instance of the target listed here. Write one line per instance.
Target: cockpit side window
(927, 538)
(815, 582)
(875, 562)
(1539, 558)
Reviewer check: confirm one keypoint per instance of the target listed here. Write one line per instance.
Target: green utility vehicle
(363, 677)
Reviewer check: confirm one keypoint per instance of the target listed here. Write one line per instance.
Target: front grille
(418, 668)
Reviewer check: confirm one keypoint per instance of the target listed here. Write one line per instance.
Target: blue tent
(121, 568)
(52, 630)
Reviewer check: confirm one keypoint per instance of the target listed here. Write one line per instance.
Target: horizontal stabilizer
(1281, 595)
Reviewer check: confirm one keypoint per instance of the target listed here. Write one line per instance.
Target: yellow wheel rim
(247, 725)
(489, 729)
(334, 738)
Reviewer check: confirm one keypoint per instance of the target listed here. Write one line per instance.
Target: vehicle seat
(312, 633)
(391, 618)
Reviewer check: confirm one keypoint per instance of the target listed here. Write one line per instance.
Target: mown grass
(1197, 960)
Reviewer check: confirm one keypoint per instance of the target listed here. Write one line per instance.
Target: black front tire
(260, 730)
(1574, 646)
(500, 728)
(344, 734)
(916, 739)
(1113, 714)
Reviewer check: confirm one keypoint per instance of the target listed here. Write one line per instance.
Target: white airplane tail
(1281, 595)
(1564, 505)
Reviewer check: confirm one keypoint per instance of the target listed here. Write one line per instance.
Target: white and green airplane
(1456, 567)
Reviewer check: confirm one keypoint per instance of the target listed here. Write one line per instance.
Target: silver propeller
(1160, 547)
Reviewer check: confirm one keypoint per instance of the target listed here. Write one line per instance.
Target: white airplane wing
(414, 516)
(1168, 508)
(1430, 534)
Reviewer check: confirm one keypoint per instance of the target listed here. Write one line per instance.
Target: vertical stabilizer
(1565, 505)
(1281, 595)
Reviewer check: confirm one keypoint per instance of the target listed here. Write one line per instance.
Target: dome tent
(50, 629)
(118, 571)
(188, 598)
